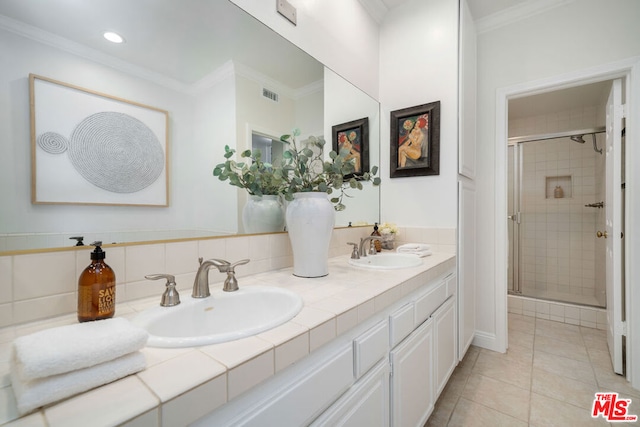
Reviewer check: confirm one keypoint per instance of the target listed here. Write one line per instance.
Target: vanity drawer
(370, 347)
(430, 301)
(401, 324)
(452, 284)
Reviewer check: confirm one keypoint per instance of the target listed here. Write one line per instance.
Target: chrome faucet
(201, 282)
(363, 249)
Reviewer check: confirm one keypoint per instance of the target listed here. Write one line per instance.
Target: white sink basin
(387, 261)
(224, 316)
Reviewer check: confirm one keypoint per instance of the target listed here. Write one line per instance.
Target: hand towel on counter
(68, 348)
(35, 393)
(420, 249)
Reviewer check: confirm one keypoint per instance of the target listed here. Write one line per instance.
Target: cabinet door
(365, 404)
(444, 324)
(412, 381)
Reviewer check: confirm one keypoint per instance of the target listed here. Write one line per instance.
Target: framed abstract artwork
(415, 141)
(95, 149)
(354, 137)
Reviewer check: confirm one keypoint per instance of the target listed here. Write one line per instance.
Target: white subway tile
(41, 308)
(112, 404)
(181, 257)
(194, 367)
(44, 274)
(193, 405)
(249, 374)
(6, 279)
(142, 260)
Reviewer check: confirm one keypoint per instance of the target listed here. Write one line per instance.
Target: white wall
(418, 65)
(215, 202)
(573, 37)
(338, 33)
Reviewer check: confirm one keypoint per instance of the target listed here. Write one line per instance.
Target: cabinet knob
(601, 234)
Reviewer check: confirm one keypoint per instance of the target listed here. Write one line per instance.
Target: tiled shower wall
(560, 256)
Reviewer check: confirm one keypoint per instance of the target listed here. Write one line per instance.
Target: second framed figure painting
(415, 141)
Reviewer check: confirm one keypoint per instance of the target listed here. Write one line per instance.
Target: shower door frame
(516, 239)
(514, 253)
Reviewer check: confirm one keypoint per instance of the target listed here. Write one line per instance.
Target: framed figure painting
(354, 137)
(415, 141)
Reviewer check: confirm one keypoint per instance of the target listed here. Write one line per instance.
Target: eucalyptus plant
(305, 170)
(258, 178)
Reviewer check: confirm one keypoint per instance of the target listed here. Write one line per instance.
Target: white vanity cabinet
(387, 371)
(422, 363)
(412, 397)
(444, 337)
(365, 404)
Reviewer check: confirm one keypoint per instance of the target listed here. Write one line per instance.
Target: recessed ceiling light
(113, 37)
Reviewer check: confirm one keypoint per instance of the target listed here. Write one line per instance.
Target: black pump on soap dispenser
(96, 288)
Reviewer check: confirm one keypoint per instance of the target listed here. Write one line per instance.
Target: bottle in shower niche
(96, 288)
(558, 193)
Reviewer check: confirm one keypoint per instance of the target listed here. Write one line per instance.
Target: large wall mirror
(222, 76)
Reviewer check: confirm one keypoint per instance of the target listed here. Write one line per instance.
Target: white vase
(310, 221)
(263, 214)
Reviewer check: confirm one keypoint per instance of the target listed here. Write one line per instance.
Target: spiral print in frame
(53, 143)
(116, 152)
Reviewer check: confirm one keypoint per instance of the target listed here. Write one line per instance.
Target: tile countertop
(181, 385)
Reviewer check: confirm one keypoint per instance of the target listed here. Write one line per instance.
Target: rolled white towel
(33, 394)
(413, 248)
(68, 348)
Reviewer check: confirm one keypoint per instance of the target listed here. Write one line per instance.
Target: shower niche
(558, 187)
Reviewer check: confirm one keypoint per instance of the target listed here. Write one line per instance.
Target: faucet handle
(231, 283)
(237, 263)
(354, 252)
(170, 297)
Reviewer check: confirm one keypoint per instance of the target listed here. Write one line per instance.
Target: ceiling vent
(270, 94)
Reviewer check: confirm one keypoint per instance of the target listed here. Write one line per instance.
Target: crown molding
(274, 85)
(94, 55)
(517, 13)
(376, 8)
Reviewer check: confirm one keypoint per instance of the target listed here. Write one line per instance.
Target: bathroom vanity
(369, 347)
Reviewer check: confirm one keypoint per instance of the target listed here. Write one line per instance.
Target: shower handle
(515, 217)
(601, 234)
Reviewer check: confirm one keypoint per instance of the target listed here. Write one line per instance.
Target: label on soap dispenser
(106, 300)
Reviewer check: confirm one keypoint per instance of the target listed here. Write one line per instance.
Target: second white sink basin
(387, 261)
(224, 316)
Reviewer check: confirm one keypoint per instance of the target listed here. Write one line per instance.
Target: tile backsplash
(37, 286)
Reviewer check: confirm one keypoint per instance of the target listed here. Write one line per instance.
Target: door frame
(629, 71)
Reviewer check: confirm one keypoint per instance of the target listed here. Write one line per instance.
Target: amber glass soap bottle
(96, 288)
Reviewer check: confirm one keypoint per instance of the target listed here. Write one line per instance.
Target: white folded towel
(68, 348)
(420, 249)
(413, 247)
(33, 394)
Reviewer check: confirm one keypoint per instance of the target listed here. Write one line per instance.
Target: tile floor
(548, 377)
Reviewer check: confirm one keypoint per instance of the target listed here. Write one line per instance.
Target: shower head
(578, 138)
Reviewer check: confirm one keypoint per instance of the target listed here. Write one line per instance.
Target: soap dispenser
(377, 243)
(96, 288)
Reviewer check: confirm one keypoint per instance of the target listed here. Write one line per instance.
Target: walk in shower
(556, 191)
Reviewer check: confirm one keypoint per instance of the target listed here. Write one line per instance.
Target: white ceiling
(187, 41)
(183, 40)
(591, 95)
